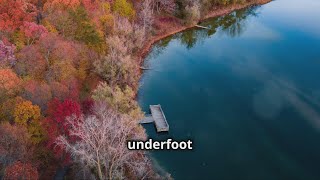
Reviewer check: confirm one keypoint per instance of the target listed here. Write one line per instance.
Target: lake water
(247, 92)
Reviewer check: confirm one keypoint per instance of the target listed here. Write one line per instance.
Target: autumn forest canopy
(69, 72)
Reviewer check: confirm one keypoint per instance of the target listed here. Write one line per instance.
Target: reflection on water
(246, 91)
(232, 25)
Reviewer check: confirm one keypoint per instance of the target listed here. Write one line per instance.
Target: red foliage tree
(90, 5)
(33, 31)
(56, 125)
(14, 12)
(87, 106)
(20, 170)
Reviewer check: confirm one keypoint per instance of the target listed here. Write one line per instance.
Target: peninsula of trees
(69, 72)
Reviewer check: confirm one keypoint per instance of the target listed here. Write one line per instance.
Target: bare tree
(118, 66)
(102, 145)
(192, 11)
(132, 34)
(168, 6)
(146, 15)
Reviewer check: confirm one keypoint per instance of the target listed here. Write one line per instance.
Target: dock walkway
(158, 118)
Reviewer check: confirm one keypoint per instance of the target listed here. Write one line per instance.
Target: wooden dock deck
(158, 118)
(147, 119)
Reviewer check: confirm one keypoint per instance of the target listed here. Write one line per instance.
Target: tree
(9, 83)
(8, 80)
(66, 89)
(85, 31)
(52, 5)
(107, 19)
(101, 145)
(117, 67)
(168, 6)
(15, 144)
(120, 100)
(31, 63)
(7, 56)
(7, 108)
(38, 93)
(25, 113)
(146, 15)
(33, 32)
(87, 106)
(59, 90)
(48, 45)
(123, 8)
(192, 11)
(14, 12)
(28, 115)
(56, 125)
(20, 170)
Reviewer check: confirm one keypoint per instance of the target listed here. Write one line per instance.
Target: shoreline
(219, 11)
(145, 50)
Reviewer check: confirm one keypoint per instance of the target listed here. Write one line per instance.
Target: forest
(69, 72)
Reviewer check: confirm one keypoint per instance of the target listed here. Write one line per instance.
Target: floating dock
(158, 118)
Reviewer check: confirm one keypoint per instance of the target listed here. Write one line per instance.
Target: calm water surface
(247, 92)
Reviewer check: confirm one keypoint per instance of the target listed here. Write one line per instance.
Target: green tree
(85, 30)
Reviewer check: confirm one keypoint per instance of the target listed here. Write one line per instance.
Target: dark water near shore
(247, 92)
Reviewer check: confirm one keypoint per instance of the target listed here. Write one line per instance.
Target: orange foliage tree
(14, 12)
(9, 83)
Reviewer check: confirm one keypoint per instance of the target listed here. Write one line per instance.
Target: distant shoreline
(216, 12)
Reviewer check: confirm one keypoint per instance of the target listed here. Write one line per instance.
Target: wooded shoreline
(221, 11)
(67, 67)
(216, 12)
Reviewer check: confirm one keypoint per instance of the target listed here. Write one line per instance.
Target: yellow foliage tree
(107, 19)
(123, 8)
(28, 115)
(120, 100)
(7, 108)
(25, 113)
